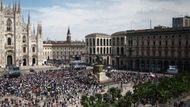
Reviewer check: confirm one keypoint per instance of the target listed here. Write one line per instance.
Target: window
(98, 50)
(113, 41)
(166, 43)
(166, 52)
(153, 43)
(9, 41)
(117, 41)
(117, 50)
(94, 51)
(142, 43)
(9, 24)
(24, 49)
(137, 52)
(148, 52)
(122, 41)
(122, 51)
(137, 43)
(97, 42)
(90, 50)
(90, 42)
(101, 42)
(148, 42)
(132, 42)
(179, 43)
(153, 52)
(24, 39)
(33, 49)
(186, 43)
(93, 42)
(160, 53)
(87, 42)
(110, 50)
(130, 52)
(172, 43)
(104, 50)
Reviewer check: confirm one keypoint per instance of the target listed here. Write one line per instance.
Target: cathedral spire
(34, 31)
(68, 35)
(18, 6)
(1, 8)
(14, 6)
(68, 32)
(29, 18)
(39, 29)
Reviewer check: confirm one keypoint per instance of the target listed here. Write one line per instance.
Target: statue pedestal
(100, 75)
(102, 78)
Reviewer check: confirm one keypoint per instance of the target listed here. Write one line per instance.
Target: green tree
(124, 103)
(115, 93)
(85, 101)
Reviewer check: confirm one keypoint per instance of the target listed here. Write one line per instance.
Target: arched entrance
(24, 62)
(9, 60)
(33, 61)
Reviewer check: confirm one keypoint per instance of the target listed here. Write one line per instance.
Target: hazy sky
(106, 16)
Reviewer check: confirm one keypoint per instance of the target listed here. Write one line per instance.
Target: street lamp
(117, 61)
(108, 71)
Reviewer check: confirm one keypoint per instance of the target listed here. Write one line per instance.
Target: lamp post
(117, 61)
(129, 55)
(109, 69)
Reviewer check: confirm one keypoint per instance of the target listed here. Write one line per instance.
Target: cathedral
(20, 43)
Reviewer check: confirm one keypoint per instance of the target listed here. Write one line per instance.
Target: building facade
(118, 47)
(98, 44)
(156, 49)
(181, 21)
(19, 44)
(64, 50)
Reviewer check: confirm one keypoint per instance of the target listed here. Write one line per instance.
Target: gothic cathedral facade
(20, 45)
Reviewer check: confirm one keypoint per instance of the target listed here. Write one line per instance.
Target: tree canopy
(159, 92)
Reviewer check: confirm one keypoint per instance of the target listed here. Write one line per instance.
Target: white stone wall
(19, 28)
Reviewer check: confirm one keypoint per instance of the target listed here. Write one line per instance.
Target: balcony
(11, 46)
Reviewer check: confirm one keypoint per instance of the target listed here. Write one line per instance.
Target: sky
(100, 16)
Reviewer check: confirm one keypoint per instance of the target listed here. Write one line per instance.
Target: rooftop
(97, 35)
(63, 42)
(156, 29)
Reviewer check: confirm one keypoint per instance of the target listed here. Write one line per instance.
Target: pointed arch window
(24, 39)
(9, 41)
(9, 25)
(24, 49)
(33, 49)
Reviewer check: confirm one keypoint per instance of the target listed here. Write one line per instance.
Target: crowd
(57, 88)
(46, 89)
(125, 77)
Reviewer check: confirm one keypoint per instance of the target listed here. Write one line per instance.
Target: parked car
(172, 69)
